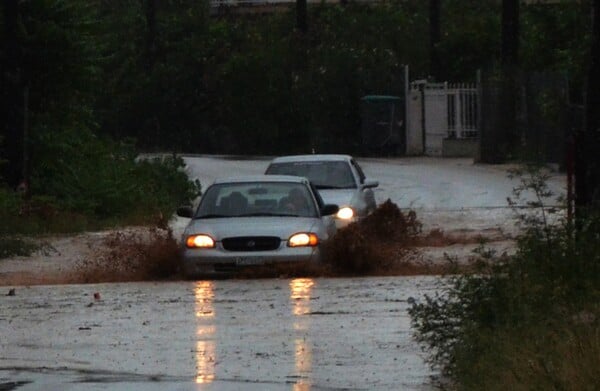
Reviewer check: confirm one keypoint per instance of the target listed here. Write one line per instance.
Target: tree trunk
(510, 33)
(151, 33)
(510, 66)
(301, 16)
(434, 39)
(11, 95)
(587, 161)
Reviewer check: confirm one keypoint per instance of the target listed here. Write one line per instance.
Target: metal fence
(463, 111)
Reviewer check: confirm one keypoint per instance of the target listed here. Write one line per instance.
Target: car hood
(282, 227)
(340, 197)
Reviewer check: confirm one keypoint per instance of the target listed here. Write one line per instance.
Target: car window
(320, 202)
(323, 174)
(361, 174)
(257, 199)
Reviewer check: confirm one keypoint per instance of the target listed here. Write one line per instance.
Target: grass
(555, 355)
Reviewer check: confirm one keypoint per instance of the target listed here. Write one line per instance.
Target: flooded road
(262, 334)
(272, 334)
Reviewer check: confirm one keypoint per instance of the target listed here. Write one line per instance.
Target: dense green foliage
(527, 322)
(178, 78)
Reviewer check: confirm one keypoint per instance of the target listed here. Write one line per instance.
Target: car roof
(261, 178)
(311, 158)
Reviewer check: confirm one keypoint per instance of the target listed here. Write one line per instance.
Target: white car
(255, 220)
(338, 178)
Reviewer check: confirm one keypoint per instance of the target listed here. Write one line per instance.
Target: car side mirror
(329, 209)
(370, 184)
(185, 211)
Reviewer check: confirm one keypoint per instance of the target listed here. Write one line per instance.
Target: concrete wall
(460, 147)
(414, 126)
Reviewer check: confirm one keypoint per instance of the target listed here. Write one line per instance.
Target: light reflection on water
(270, 334)
(206, 332)
(300, 291)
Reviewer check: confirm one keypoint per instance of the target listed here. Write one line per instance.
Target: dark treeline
(170, 76)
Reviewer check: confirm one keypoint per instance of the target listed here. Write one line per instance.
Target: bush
(81, 182)
(11, 245)
(510, 324)
(101, 178)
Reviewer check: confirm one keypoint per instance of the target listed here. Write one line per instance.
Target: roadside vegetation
(84, 183)
(528, 321)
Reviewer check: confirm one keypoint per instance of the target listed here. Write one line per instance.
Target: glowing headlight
(303, 239)
(199, 241)
(345, 213)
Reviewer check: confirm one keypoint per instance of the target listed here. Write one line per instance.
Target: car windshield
(323, 174)
(257, 199)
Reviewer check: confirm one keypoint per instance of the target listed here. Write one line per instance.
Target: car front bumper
(218, 262)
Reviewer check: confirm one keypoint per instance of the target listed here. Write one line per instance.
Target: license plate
(245, 261)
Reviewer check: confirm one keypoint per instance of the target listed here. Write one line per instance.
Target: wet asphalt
(271, 334)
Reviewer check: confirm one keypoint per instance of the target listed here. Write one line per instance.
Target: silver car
(338, 178)
(255, 220)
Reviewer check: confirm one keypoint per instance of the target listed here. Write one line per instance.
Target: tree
(12, 95)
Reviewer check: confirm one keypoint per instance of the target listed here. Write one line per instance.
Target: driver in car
(296, 202)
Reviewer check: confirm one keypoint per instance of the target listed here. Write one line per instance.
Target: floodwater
(265, 334)
(272, 334)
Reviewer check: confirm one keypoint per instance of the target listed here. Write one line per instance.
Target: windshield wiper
(211, 216)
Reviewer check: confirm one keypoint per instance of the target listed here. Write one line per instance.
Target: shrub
(81, 182)
(498, 327)
(101, 178)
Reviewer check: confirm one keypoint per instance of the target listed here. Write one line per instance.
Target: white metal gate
(463, 111)
(442, 111)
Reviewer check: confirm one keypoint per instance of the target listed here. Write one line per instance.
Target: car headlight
(303, 239)
(345, 213)
(199, 241)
